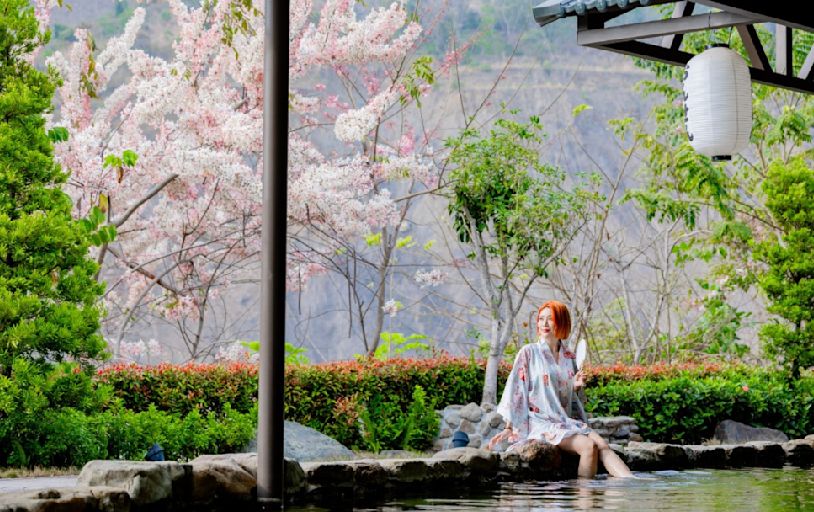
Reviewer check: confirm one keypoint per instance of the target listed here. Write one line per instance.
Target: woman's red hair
(560, 316)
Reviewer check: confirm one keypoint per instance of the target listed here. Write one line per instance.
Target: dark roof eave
(552, 10)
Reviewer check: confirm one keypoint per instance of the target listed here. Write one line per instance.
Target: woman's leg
(585, 447)
(613, 464)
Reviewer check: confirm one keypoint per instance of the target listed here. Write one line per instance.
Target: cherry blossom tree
(171, 154)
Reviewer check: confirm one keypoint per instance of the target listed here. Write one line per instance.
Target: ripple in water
(699, 490)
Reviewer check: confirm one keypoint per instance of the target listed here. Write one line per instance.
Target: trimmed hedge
(686, 408)
(604, 374)
(63, 416)
(328, 397)
(670, 402)
(181, 389)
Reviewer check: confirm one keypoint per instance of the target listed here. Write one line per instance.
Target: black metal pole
(272, 315)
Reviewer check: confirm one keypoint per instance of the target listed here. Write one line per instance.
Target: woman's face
(545, 324)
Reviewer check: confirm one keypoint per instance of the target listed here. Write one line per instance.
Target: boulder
(643, 456)
(471, 412)
(329, 474)
(704, 456)
(768, 454)
(407, 471)
(217, 476)
(732, 432)
(145, 482)
(800, 452)
(532, 459)
(452, 417)
(107, 499)
(467, 426)
(303, 444)
(233, 476)
(476, 460)
(495, 420)
(739, 456)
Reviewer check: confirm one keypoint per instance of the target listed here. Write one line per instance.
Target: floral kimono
(538, 395)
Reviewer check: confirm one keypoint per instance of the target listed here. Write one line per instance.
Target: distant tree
(719, 209)
(517, 217)
(789, 279)
(47, 287)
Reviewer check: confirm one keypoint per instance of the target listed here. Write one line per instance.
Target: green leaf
(373, 239)
(129, 158)
(112, 161)
(58, 134)
(406, 241)
(582, 107)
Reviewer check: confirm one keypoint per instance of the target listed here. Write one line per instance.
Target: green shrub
(686, 409)
(333, 397)
(422, 422)
(185, 388)
(328, 397)
(55, 416)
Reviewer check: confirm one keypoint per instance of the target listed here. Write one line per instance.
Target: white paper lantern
(718, 102)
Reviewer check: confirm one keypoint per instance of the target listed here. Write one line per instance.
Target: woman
(538, 393)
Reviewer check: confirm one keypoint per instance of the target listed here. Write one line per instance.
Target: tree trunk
(381, 290)
(490, 380)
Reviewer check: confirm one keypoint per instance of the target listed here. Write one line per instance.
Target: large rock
(471, 412)
(78, 498)
(532, 459)
(218, 477)
(643, 456)
(768, 454)
(800, 452)
(233, 477)
(704, 456)
(732, 432)
(476, 460)
(145, 482)
(306, 444)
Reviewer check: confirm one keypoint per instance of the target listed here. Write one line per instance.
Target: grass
(37, 472)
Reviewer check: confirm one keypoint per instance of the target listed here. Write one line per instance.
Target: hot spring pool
(747, 489)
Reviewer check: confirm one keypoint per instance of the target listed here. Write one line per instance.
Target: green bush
(686, 409)
(58, 417)
(327, 397)
(385, 425)
(182, 389)
(332, 397)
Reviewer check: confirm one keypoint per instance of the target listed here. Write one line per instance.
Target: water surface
(695, 490)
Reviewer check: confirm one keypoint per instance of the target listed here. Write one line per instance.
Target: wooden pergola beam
(646, 30)
(806, 70)
(682, 9)
(790, 14)
(680, 58)
(757, 56)
(783, 50)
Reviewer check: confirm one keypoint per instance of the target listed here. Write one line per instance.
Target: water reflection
(712, 490)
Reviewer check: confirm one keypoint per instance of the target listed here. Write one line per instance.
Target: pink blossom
(432, 278)
(391, 307)
(194, 197)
